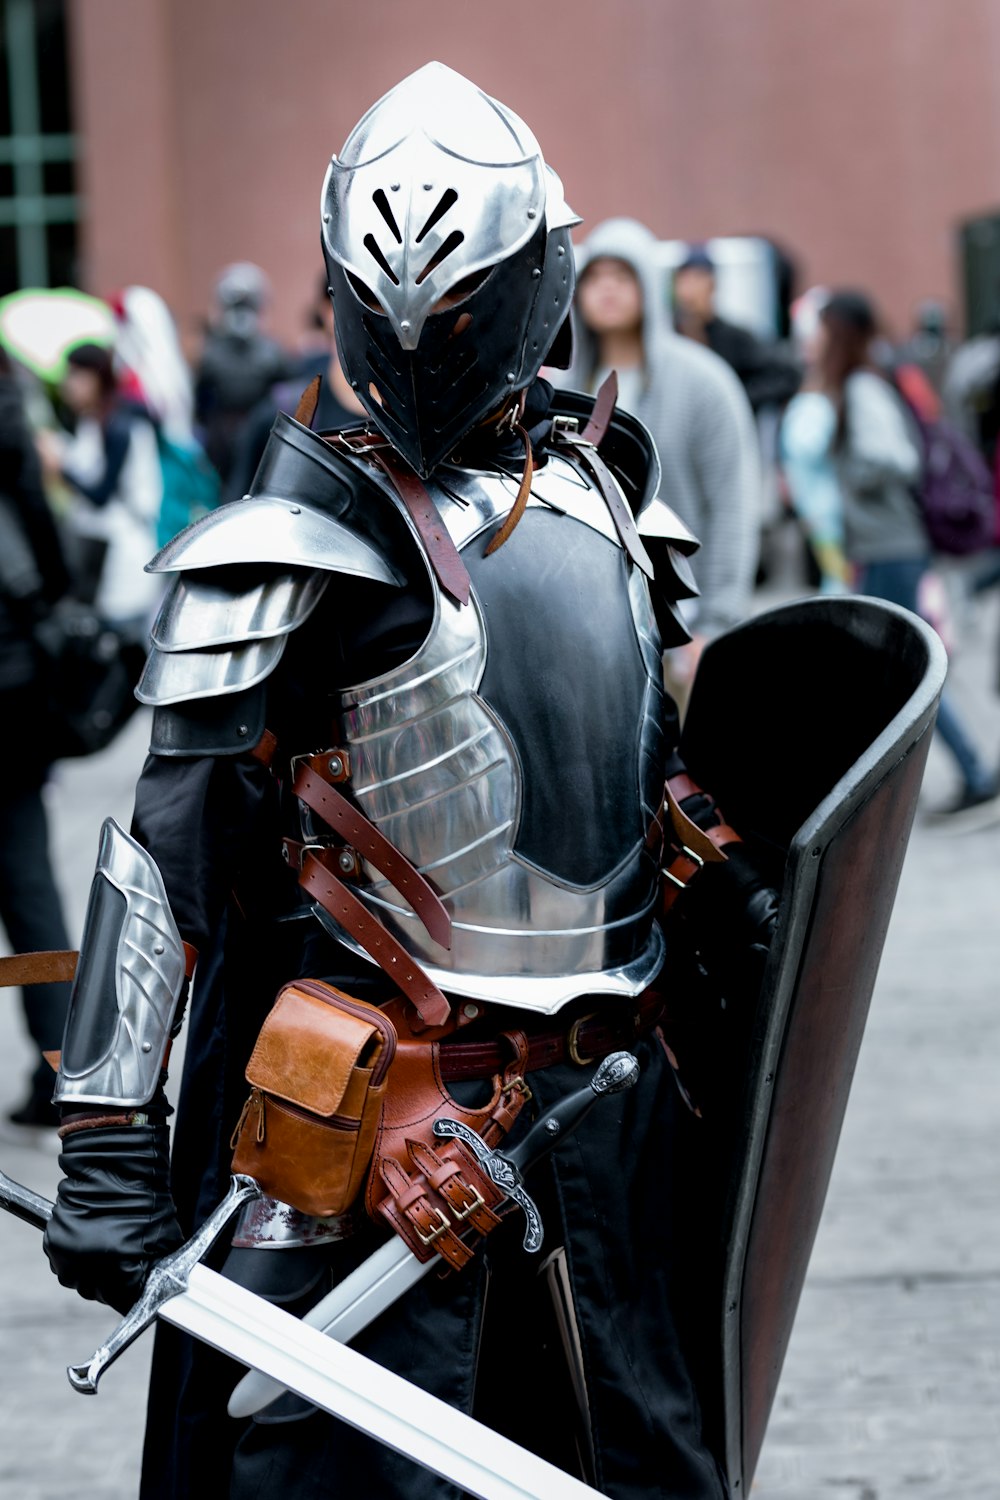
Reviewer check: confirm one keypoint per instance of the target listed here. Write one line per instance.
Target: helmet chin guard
(447, 246)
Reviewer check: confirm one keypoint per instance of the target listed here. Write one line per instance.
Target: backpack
(190, 486)
(956, 491)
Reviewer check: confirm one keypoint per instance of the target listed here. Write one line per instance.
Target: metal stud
(345, 860)
(335, 765)
(147, 1046)
(470, 1012)
(158, 948)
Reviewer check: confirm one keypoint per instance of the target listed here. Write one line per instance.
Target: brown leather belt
(587, 1039)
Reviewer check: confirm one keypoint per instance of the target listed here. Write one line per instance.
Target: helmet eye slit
(451, 243)
(372, 246)
(447, 198)
(382, 204)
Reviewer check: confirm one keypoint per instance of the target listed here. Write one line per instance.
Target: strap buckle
(573, 1040)
(442, 1227)
(476, 1200)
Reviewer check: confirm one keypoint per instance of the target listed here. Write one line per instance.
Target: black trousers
(486, 1341)
(31, 912)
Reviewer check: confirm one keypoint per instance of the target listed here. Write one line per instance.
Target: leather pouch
(318, 1077)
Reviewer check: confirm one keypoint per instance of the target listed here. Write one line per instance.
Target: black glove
(114, 1216)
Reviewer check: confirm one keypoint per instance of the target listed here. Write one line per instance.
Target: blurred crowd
(880, 456)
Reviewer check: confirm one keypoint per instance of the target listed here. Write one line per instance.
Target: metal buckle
(573, 1040)
(442, 1228)
(477, 1201)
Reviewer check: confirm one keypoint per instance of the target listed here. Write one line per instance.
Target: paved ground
(891, 1389)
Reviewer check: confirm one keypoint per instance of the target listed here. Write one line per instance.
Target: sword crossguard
(501, 1170)
(167, 1279)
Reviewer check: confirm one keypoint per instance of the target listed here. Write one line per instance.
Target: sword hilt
(167, 1278)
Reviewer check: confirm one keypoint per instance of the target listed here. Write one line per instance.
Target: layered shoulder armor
(628, 450)
(247, 575)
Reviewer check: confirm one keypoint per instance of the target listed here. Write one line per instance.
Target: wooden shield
(810, 724)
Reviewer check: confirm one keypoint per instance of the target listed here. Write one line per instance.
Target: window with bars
(39, 206)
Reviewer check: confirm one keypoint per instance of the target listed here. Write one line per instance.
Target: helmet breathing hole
(365, 294)
(372, 246)
(451, 244)
(447, 198)
(461, 324)
(375, 393)
(381, 202)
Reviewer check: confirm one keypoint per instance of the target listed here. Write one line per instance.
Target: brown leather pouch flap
(311, 1044)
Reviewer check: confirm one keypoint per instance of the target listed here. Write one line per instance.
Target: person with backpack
(877, 457)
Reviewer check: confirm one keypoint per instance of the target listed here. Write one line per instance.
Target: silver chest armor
(517, 758)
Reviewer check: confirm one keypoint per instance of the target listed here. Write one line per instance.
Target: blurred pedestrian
(112, 466)
(767, 377)
(696, 410)
(878, 465)
(805, 440)
(33, 577)
(239, 362)
(338, 405)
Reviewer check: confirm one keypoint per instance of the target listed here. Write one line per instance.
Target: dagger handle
(617, 1072)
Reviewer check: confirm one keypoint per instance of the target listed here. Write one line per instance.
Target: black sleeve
(117, 436)
(198, 817)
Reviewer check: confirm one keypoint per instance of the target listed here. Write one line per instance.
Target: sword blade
(354, 1388)
(353, 1303)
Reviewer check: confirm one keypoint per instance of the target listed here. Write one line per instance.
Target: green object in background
(40, 325)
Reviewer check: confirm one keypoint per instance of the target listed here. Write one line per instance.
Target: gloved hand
(114, 1216)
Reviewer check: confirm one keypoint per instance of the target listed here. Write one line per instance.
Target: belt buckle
(573, 1040)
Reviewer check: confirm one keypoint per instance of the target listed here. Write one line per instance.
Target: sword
(393, 1268)
(326, 1373)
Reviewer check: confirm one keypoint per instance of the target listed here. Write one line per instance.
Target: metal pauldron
(129, 981)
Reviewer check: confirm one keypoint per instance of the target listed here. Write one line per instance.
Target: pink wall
(855, 131)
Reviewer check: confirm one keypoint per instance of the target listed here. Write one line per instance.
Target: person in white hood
(695, 408)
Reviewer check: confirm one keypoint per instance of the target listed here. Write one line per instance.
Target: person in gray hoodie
(695, 408)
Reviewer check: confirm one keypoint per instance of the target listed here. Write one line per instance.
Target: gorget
(517, 758)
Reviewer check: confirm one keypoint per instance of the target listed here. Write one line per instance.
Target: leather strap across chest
(312, 788)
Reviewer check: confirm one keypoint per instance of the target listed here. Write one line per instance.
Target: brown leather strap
(520, 504)
(51, 967)
(266, 749)
(308, 402)
(326, 887)
(316, 792)
(604, 405)
(448, 566)
(707, 843)
(587, 1039)
(589, 459)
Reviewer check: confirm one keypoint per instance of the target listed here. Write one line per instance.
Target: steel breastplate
(517, 758)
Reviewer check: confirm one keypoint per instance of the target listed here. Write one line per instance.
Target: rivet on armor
(242, 730)
(346, 860)
(158, 948)
(552, 1126)
(147, 1046)
(428, 186)
(511, 377)
(326, 218)
(535, 274)
(470, 1011)
(335, 765)
(394, 187)
(405, 325)
(531, 213)
(561, 250)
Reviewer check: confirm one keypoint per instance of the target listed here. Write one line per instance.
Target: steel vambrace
(129, 982)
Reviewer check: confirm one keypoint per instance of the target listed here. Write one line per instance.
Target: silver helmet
(447, 245)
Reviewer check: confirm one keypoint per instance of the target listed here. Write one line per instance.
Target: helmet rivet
(158, 948)
(535, 274)
(295, 510)
(394, 187)
(428, 186)
(511, 377)
(405, 325)
(335, 765)
(531, 213)
(561, 250)
(346, 861)
(147, 1046)
(326, 218)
